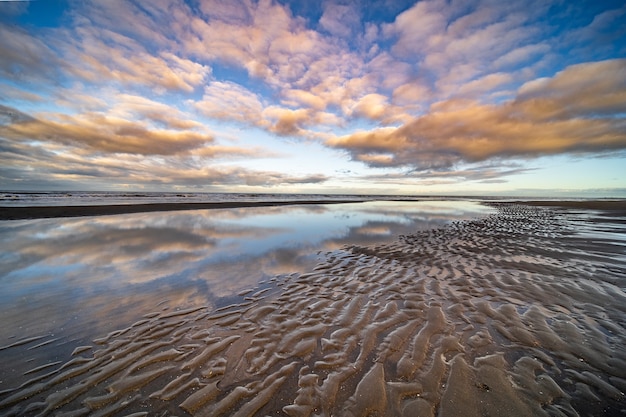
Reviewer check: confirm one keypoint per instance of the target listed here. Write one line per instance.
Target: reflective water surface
(67, 281)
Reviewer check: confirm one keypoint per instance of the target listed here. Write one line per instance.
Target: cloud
(376, 107)
(340, 20)
(26, 164)
(231, 101)
(412, 93)
(484, 84)
(97, 55)
(184, 172)
(99, 132)
(583, 90)
(580, 109)
(264, 38)
(376, 159)
(229, 11)
(125, 123)
(125, 46)
(386, 73)
(100, 56)
(143, 22)
(13, 8)
(372, 106)
(9, 115)
(287, 122)
(452, 43)
(520, 55)
(440, 51)
(133, 107)
(309, 71)
(226, 176)
(305, 68)
(376, 148)
(484, 173)
(440, 84)
(24, 57)
(10, 93)
(602, 35)
(298, 97)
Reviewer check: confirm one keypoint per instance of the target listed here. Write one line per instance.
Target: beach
(518, 313)
(44, 212)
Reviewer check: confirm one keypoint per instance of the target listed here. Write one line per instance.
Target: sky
(472, 97)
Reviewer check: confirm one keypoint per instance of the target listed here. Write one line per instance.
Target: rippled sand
(518, 314)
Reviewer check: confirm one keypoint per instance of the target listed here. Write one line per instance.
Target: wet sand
(42, 212)
(609, 207)
(516, 314)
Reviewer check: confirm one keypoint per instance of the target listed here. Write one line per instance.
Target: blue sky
(427, 97)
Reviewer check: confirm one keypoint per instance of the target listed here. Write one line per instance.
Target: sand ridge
(507, 315)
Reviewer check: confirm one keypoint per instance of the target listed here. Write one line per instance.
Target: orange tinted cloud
(100, 132)
(437, 85)
(57, 163)
(578, 110)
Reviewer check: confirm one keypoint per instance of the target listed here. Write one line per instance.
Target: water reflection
(71, 280)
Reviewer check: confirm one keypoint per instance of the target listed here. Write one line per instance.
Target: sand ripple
(511, 315)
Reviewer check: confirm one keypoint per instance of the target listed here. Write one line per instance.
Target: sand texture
(517, 314)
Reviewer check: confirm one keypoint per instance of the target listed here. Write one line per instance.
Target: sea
(87, 198)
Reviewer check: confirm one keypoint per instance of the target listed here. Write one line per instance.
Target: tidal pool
(67, 281)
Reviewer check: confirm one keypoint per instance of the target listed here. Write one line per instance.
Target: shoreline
(511, 314)
(46, 212)
(615, 207)
(612, 207)
(515, 313)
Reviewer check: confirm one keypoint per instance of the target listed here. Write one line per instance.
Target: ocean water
(96, 198)
(82, 198)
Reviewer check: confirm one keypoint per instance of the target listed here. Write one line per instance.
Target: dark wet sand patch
(507, 315)
(613, 207)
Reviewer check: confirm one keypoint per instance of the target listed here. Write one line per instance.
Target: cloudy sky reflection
(82, 277)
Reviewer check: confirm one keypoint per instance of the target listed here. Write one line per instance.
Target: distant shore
(43, 212)
(614, 207)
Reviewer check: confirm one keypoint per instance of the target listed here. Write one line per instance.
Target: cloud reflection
(79, 278)
(139, 248)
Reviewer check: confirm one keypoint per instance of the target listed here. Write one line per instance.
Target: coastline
(511, 314)
(615, 207)
(44, 212)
